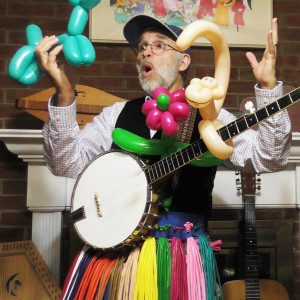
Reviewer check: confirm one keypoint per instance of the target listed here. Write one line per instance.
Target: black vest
(193, 192)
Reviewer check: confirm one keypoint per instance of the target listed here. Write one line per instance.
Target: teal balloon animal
(78, 49)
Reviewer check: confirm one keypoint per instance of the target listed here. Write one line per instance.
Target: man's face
(158, 70)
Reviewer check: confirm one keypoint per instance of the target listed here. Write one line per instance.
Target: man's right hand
(48, 53)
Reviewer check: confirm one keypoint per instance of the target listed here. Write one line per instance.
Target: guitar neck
(250, 242)
(251, 255)
(182, 157)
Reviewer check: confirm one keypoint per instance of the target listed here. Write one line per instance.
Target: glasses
(157, 48)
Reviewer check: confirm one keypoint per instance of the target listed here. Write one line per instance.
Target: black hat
(134, 28)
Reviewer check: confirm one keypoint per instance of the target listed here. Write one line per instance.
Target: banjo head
(111, 201)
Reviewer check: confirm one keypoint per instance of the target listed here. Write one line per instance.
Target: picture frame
(244, 23)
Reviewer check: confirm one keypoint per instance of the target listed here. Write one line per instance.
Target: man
(159, 63)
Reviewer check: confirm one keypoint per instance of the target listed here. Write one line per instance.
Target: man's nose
(147, 51)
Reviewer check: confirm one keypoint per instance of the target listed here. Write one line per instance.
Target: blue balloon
(79, 51)
(33, 34)
(31, 75)
(78, 20)
(74, 2)
(89, 4)
(21, 61)
(24, 66)
(62, 38)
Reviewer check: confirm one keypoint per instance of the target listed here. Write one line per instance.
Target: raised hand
(265, 70)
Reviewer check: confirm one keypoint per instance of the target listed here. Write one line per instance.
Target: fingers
(272, 41)
(272, 38)
(252, 59)
(264, 70)
(53, 53)
(274, 28)
(46, 44)
(47, 50)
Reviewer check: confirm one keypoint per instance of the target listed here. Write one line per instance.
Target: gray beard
(165, 77)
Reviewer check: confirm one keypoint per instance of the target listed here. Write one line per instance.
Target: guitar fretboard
(182, 157)
(251, 255)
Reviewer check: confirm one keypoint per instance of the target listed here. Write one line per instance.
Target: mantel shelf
(28, 144)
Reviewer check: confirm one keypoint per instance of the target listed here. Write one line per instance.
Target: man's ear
(186, 60)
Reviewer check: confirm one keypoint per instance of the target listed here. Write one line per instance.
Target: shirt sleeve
(67, 148)
(267, 148)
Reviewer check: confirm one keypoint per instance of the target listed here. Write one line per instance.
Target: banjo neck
(118, 204)
(175, 161)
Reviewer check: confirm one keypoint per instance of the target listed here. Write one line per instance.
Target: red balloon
(158, 91)
(178, 96)
(179, 110)
(153, 119)
(168, 124)
(148, 106)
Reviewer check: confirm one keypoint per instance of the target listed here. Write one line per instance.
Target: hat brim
(138, 24)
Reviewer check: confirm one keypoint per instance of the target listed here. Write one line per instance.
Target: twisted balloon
(166, 110)
(78, 50)
(209, 93)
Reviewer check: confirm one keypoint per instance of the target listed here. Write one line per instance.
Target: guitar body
(269, 290)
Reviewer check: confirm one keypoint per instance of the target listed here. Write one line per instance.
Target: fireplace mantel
(49, 195)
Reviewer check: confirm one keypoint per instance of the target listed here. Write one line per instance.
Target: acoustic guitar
(252, 287)
(113, 200)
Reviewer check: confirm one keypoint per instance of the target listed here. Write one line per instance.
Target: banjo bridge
(98, 205)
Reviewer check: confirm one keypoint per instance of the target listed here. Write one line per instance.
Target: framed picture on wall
(243, 22)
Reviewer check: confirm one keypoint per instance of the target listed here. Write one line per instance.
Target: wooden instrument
(24, 274)
(252, 287)
(112, 203)
(90, 101)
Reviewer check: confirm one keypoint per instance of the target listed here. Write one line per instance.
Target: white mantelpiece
(49, 195)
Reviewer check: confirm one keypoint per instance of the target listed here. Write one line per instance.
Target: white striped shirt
(68, 149)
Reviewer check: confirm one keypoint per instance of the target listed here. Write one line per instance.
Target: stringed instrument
(89, 102)
(112, 203)
(252, 287)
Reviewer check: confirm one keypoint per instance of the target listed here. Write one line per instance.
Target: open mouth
(146, 68)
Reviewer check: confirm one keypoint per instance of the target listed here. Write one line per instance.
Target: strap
(184, 135)
(186, 128)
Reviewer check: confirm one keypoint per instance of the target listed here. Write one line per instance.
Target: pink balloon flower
(166, 110)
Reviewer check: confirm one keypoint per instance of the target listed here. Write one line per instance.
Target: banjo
(113, 202)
